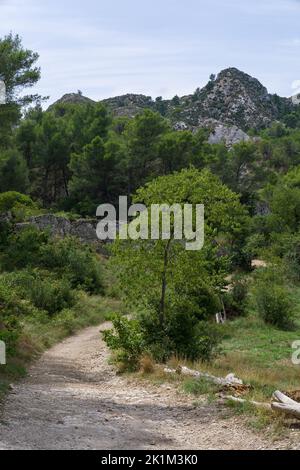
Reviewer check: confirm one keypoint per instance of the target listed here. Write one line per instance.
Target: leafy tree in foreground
(173, 289)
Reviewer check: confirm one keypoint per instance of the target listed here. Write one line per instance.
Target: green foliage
(93, 175)
(68, 258)
(143, 136)
(42, 290)
(126, 339)
(273, 300)
(13, 171)
(75, 261)
(23, 249)
(18, 205)
(18, 71)
(177, 291)
(10, 310)
(191, 339)
(235, 299)
(11, 199)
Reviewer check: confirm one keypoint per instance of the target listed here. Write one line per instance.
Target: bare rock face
(296, 99)
(84, 229)
(55, 225)
(180, 126)
(229, 135)
(234, 98)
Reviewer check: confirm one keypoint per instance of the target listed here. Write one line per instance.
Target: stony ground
(72, 399)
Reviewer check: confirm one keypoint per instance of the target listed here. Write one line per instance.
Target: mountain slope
(232, 98)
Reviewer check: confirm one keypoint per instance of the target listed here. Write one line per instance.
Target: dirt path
(72, 399)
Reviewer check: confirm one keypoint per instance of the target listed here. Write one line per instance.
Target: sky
(158, 47)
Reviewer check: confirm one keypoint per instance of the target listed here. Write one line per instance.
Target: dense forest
(72, 157)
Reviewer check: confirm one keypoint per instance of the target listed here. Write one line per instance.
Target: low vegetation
(72, 158)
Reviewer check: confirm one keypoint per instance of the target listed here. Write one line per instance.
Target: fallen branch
(282, 398)
(258, 404)
(286, 405)
(230, 379)
(290, 410)
(282, 403)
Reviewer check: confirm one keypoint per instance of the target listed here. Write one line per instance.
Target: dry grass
(147, 365)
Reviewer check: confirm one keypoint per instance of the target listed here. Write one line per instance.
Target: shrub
(274, 304)
(180, 334)
(66, 320)
(291, 256)
(18, 204)
(10, 310)
(183, 337)
(51, 295)
(42, 290)
(68, 258)
(235, 300)
(126, 340)
(192, 339)
(75, 261)
(23, 249)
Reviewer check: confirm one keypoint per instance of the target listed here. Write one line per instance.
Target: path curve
(72, 399)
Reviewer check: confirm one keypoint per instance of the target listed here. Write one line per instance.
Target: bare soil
(73, 399)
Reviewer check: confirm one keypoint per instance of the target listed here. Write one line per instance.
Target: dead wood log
(282, 398)
(285, 405)
(229, 380)
(289, 410)
(258, 404)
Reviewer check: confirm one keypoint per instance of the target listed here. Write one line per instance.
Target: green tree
(176, 150)
(18, 70)
(143, 138)
(161, 273)
(93, 173)
(13, 172)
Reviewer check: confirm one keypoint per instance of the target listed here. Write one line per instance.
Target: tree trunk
(164, 285)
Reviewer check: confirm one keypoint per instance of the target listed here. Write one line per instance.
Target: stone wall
(84, 229)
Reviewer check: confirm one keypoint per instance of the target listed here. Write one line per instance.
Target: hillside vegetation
(79, 154)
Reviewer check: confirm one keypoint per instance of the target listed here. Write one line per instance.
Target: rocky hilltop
(129, 105)
(232, 98)
(72, 98)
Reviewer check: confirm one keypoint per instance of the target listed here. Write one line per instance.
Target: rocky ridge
(229, 105)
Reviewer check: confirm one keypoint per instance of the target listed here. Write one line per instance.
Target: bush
(192, 340)
(68, 258)
(126, 340)
(75, 261)
(66, 320)
(10, 310)
(147, 364)
(235, 300)
(274, 304)
(183, 336)
(23, 249)
(51, 295)
(18, 204)
(42, 290)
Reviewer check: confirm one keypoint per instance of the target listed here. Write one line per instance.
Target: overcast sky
(157, 47)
